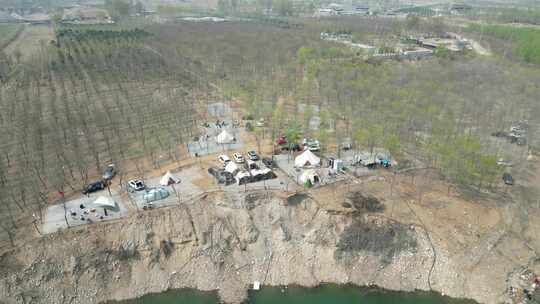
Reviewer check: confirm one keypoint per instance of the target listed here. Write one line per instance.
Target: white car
(136, 185)
(503, 162)
(224, 159)
(311, 145)
(238, 158)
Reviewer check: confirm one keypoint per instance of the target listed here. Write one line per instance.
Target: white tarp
(105, 202)
(168, 179)
(307, 159)
(310, 175)
(224, 138)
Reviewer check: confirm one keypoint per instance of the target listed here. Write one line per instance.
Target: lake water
(326, 294)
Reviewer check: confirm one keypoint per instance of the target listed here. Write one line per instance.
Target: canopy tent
(262, 174)
(224, 138)
(310, 175)
(231, 168)
(105, 202)
(307, 159)
(242, 178)
(258, 174)
(169, 179)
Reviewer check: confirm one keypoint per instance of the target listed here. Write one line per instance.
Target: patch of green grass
(7, 32)
(526, 41)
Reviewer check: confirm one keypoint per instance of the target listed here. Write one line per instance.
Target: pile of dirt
(374, 236)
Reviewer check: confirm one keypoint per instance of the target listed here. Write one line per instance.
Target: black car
(109, 172)
(293, 147)
(93, 187)
(268, 162)
(222, 176)
(508, 179)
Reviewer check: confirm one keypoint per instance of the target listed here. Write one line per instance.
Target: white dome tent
(105, 203)
(225, 138)
(307, 159)
(169, 179)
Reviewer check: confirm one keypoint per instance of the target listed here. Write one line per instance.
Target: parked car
(268, 162)
(136, 185)
(251, 165)
(155, 194)
(252, 155)
(238, 158)
(311, 144)
(93, 187)
(109, 173)
(503, 162)
(281, 141)
(224, 159)
(346, 144)
(508, 179)
(499, 134)
(260, 123)
(292, 147)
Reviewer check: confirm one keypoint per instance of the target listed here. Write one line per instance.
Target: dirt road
(30, 39)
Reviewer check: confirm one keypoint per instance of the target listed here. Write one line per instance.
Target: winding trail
(426, 231)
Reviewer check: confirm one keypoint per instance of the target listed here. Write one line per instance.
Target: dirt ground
(434, 239)
(424, 234)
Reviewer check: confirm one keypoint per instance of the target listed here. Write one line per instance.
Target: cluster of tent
(253, 175)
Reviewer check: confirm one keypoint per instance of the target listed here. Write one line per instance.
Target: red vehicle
(281, 140)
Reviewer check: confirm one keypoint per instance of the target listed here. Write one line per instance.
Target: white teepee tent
(168, 179)
(307, 159)
(224, 138)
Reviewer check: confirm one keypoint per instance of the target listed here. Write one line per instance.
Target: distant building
(7, 18)
(417, 54)
(86, 15)
(460, 7)
(38, 18)
(325, 12)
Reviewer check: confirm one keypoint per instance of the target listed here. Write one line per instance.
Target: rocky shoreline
(224, 245)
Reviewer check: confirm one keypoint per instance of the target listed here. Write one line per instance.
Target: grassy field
(525, 41)
(7, 32)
